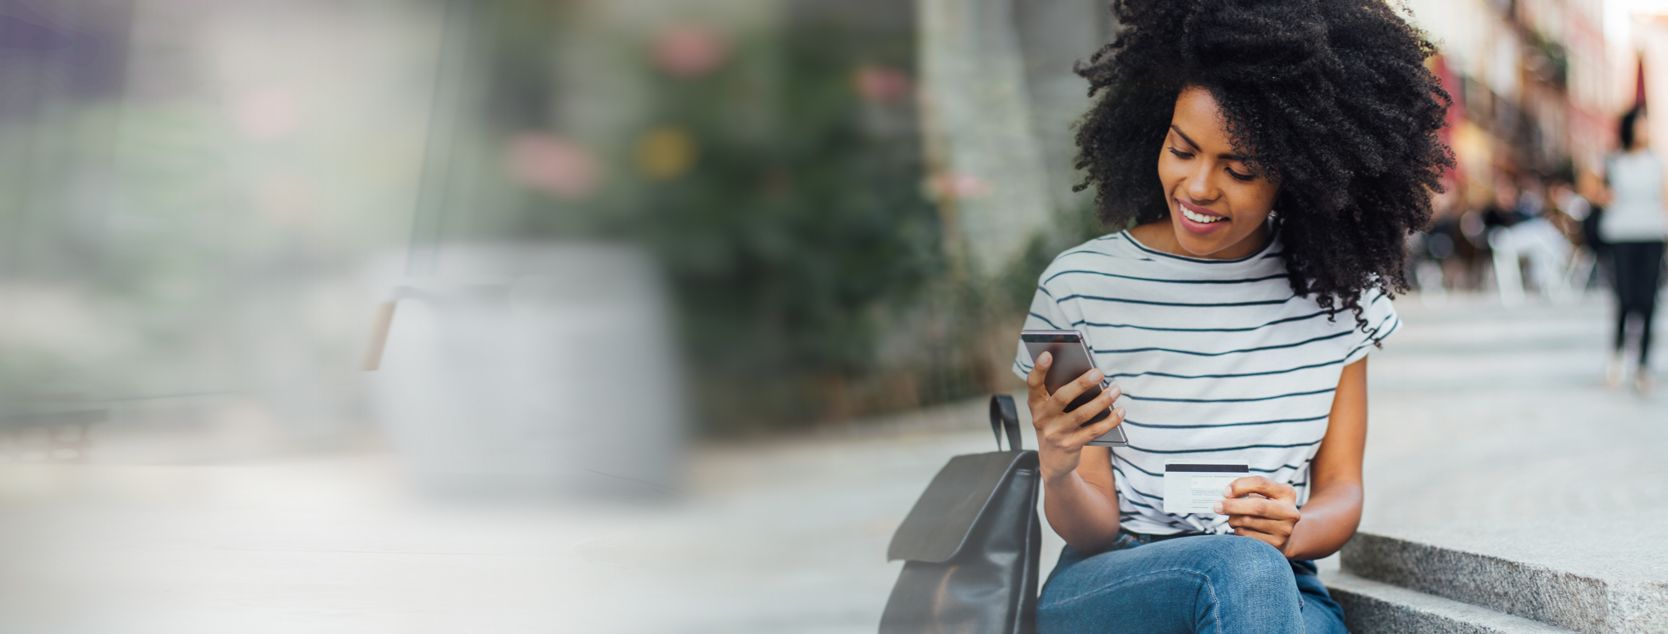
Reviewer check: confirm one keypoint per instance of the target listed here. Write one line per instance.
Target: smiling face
(1218, 203)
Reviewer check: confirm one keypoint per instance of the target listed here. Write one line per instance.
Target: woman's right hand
(1060, 434)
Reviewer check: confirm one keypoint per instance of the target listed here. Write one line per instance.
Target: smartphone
(1071, 360)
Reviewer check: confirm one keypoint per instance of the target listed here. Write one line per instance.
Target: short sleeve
(1382, 321)
(1045, 314)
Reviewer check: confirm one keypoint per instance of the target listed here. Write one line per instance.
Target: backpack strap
(1004, 417)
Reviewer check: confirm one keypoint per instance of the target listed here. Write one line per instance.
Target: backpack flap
(938, 526)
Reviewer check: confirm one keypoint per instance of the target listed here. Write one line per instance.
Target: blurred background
(656, 315)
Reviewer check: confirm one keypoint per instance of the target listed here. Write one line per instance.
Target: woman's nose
(1199, 186)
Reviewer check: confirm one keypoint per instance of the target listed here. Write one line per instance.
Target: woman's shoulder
(1109, 255)
(1097, 250)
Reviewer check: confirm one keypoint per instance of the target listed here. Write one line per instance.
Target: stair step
(1545, 575)
(1371, 607)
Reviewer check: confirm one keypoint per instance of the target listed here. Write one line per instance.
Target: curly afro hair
(1330, 98)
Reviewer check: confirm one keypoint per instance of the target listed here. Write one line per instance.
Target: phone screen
(1071, 360)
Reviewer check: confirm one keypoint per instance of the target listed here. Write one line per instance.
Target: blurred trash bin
(543, 369)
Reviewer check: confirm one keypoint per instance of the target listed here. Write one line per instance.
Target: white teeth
(1200, 218)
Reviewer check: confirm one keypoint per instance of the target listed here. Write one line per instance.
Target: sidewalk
(1480, 416)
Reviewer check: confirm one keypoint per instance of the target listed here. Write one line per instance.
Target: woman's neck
(1161, 235)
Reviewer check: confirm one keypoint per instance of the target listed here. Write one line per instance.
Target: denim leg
(1206, 583)
(1321, 614)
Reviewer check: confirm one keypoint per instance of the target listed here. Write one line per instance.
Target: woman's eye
(1241, 177)
(1180, 154)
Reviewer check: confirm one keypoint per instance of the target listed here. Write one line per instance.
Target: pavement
(1480, 417)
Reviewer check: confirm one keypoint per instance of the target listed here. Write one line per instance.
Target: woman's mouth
(1198, 220)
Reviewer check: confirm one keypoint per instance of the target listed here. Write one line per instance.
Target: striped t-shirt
(1218, 361)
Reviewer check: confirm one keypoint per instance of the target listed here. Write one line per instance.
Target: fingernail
(1228, 492)
(1044, 358)
(1217, 508)
(1095, 375)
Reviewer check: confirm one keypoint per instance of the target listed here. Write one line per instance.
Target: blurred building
(1645, 51)
(1531, 81)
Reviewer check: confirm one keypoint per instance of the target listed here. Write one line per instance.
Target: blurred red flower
(882, 84)
(951, 185)
(553, 165)
(689, 50)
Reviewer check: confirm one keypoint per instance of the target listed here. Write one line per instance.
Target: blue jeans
(1197, 583)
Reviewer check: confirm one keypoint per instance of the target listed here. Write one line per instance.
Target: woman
(1633, 228)
(1270, 158)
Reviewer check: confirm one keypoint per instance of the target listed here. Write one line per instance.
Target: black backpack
(971, 543)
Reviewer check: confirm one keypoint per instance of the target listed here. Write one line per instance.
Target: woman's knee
(1242, 565)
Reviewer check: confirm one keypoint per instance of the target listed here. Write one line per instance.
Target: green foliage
(799, 231)
(808, 266)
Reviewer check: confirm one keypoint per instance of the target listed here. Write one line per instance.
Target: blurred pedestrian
(1437, 249)
(1504, 210)
(1590, 185)
(1573, 213)
(1519, 232)
(1634, 226)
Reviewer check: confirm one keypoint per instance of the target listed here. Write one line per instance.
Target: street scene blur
(658, 315)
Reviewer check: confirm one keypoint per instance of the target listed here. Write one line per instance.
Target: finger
(1261, 485)
(1257, 507)
(1253, 506)
(1070, 391)
(1261, 525)
(1035, 380)
(1100, 403)
(1098, 429)
(1241, 486)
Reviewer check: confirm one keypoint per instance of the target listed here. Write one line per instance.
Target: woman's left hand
(1270, 518)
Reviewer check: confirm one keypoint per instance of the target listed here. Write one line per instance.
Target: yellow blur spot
(665, 153)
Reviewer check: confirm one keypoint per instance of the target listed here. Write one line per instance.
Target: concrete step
(1371, 607)
(1601, 580)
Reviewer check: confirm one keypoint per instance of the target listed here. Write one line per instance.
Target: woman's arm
(1077, 478)
(1601, 190)
(1664, 207)
(1662, 174)
(1334, 508)
(1082, 505)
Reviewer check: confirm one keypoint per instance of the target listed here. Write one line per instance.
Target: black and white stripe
(1218, 359)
